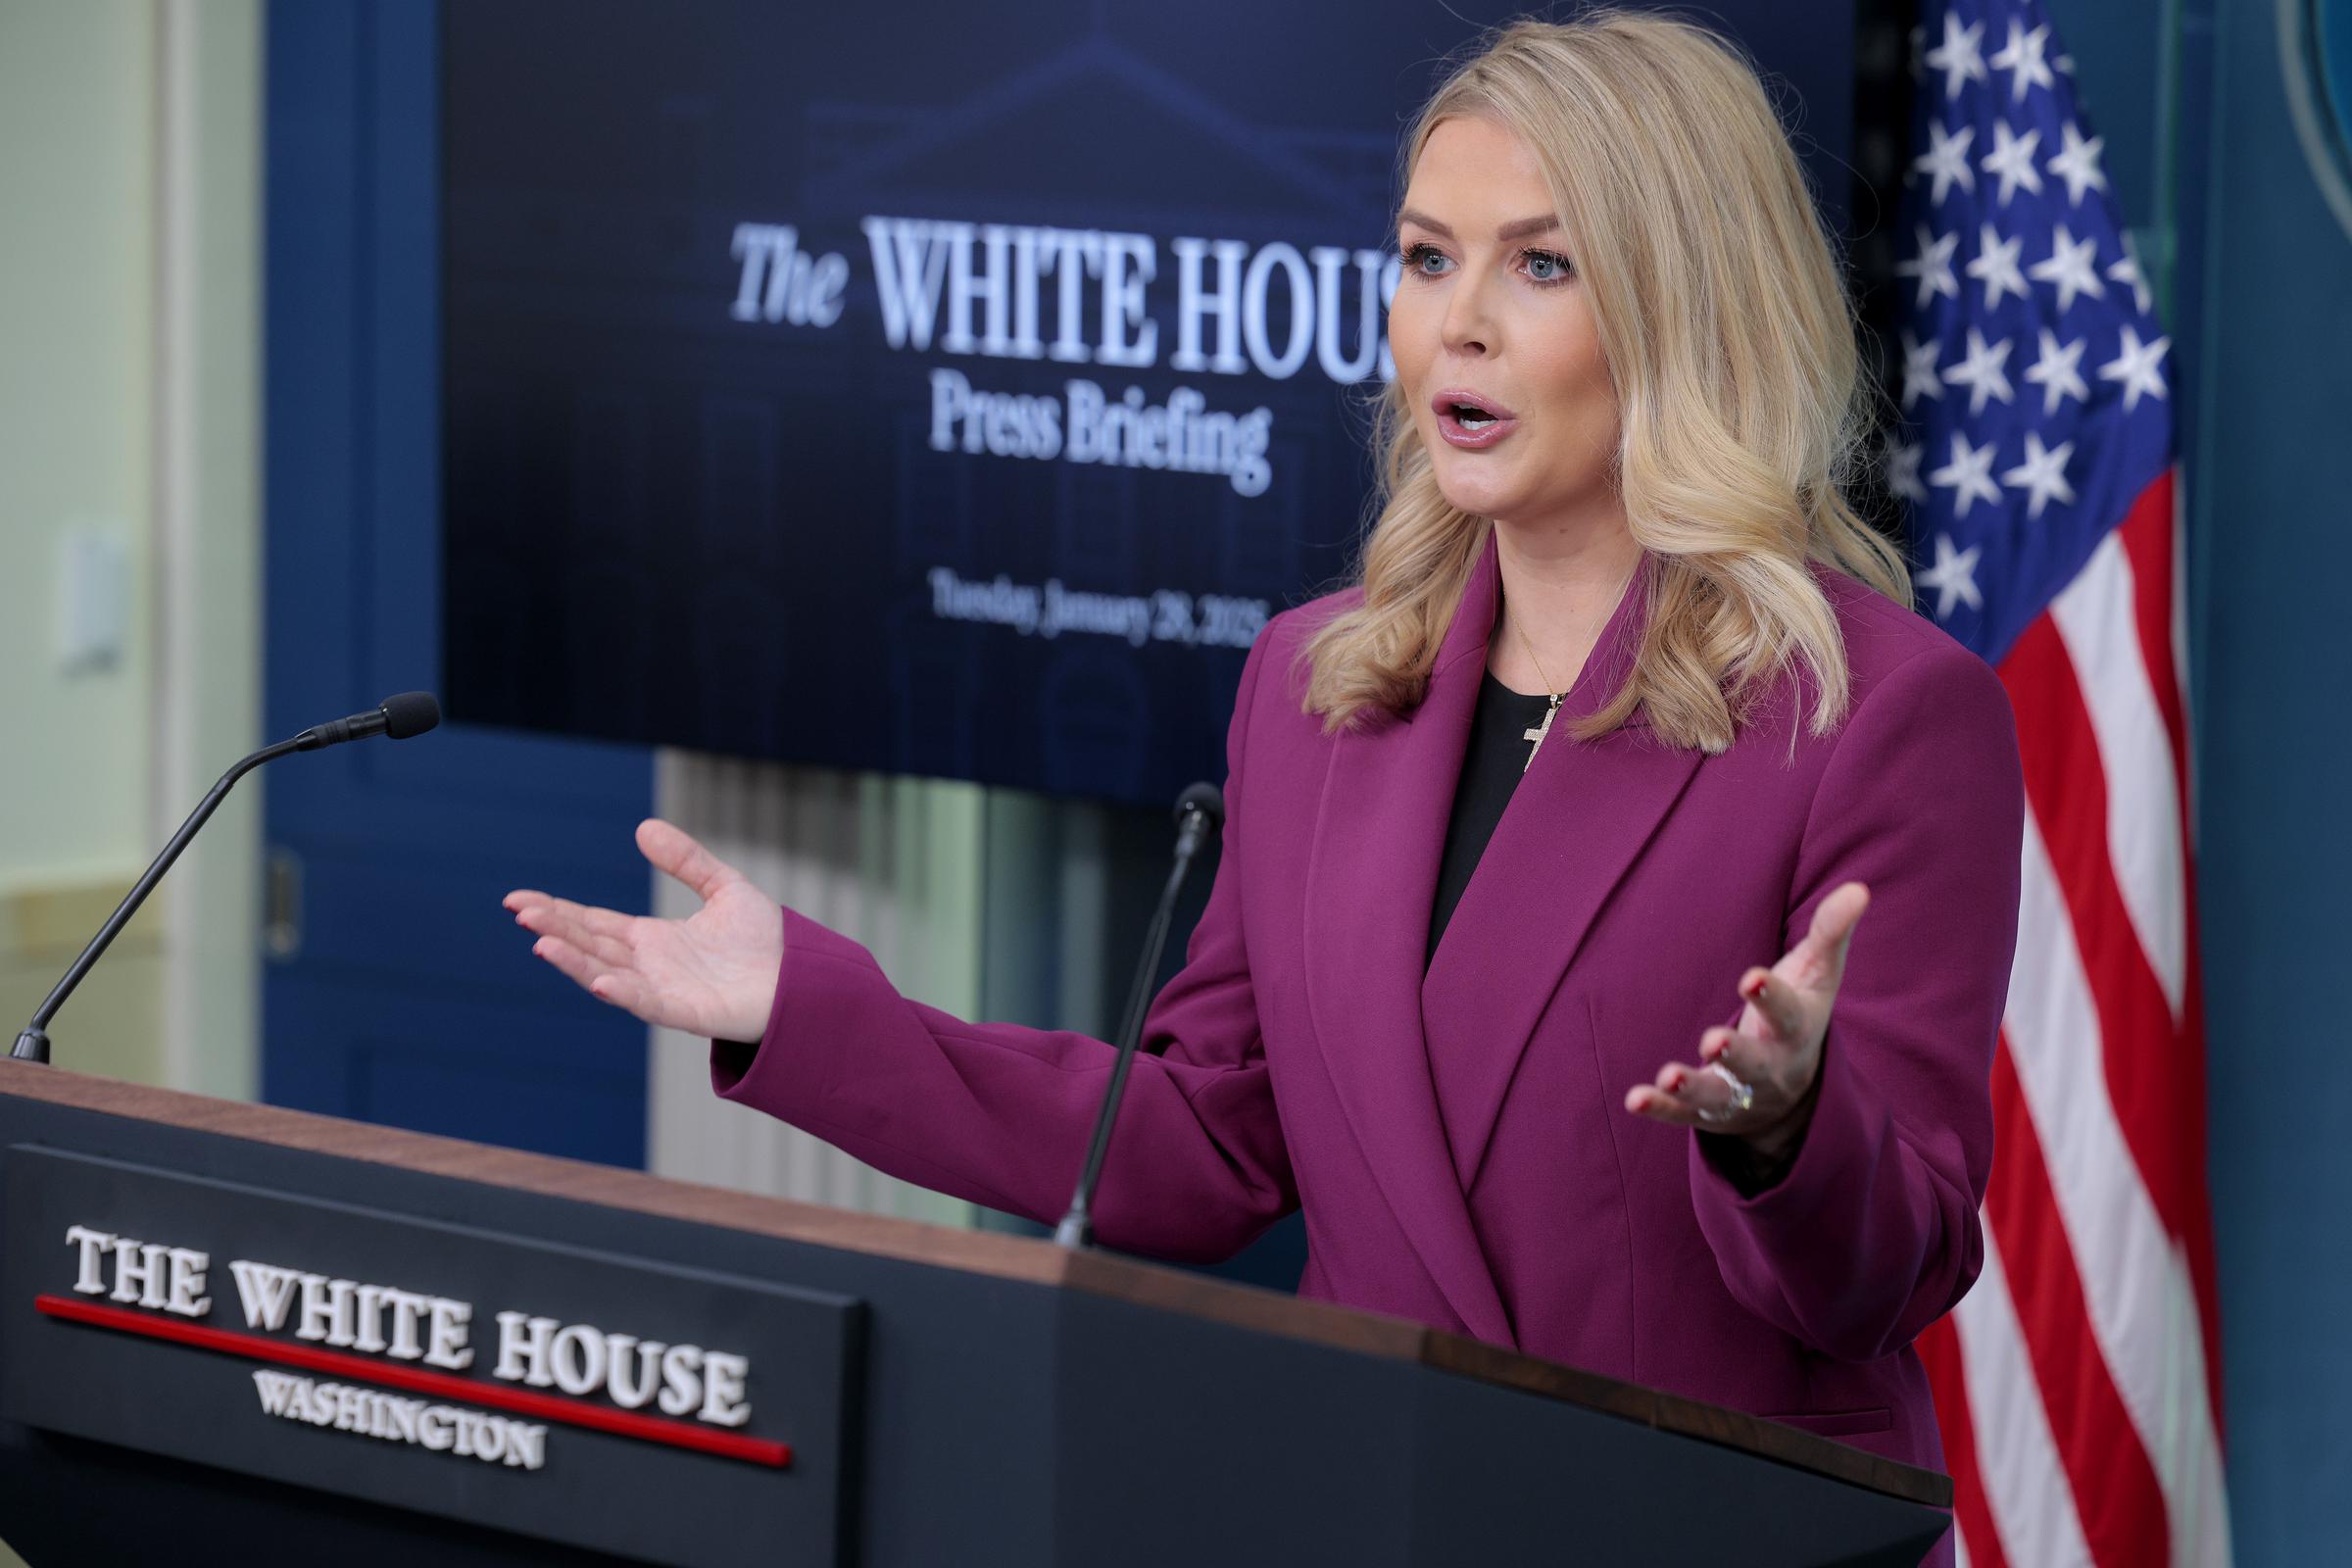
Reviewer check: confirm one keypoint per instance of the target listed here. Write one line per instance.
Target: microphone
(1200, 813)
(409, 714)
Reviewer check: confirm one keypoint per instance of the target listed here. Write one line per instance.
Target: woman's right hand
(712, 974)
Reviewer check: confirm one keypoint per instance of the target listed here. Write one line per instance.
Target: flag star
(2023, 58)
(2134, 365)
(1954, 576)
(1920, 378)
(1902, 471)
(1960, 55)
(2057, 372)
(1968, 477)
(1945, 162)
(2042, 473)
(1983, 372)
(2127, 272)
(2077, 164)
(1933, 267)
(1996, 265)
(2012, 159)
(2071, 267)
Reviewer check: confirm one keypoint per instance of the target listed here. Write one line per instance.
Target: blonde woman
(1619, 881)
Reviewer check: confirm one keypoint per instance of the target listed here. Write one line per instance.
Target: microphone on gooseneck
(409, 714)
(1200, 813)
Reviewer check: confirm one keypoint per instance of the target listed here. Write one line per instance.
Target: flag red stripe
(2147, 533)
(1972, 1511)
(2150, 543)
(2066, 787)
(2117, 1496)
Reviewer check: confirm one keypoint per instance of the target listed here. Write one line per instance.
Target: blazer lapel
(1575, 824)
(1371, 878)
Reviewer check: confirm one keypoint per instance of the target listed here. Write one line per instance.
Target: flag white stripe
(2097, 621)
(2191, 1468)
(2017, 1459)
(2135, 1282)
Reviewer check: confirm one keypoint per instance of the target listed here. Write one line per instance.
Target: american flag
(2077, 1383)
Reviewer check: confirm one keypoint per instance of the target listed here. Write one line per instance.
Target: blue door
(397, 990)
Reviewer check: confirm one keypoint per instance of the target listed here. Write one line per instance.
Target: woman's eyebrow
(1517, 228)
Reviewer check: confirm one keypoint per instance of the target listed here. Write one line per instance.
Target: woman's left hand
(1775, 1050)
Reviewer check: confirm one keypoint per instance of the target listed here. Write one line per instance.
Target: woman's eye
(1544, 267)
(1417, 257)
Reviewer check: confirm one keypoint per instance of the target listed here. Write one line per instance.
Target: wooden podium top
(993, 1253)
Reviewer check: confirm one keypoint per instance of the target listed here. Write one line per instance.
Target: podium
(233, 1333)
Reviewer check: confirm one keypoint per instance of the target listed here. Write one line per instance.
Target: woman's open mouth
(1471, 421)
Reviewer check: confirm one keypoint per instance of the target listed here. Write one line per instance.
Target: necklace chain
(1539, 663)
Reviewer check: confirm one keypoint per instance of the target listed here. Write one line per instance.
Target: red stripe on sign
(417, 1380)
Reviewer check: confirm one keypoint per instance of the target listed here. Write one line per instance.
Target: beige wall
(77, 183)
(130, 175)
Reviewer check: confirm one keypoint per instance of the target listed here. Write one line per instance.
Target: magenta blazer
(1458, 1139)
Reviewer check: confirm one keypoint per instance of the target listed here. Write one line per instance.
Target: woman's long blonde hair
(1731, 346)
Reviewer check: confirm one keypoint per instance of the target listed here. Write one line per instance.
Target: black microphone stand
(32, 1044)
(1198, 813)
(409, 714)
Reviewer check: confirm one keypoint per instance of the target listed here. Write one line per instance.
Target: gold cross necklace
(1536, 732)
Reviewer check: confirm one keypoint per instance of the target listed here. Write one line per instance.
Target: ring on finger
(1743, 1096)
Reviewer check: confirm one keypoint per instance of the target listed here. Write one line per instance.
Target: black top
(1492, 765)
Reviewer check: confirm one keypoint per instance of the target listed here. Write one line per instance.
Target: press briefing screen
(961, 410)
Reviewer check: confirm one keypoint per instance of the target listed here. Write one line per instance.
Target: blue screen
(929, 389)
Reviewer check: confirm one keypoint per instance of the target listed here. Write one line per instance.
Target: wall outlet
(93, 600)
